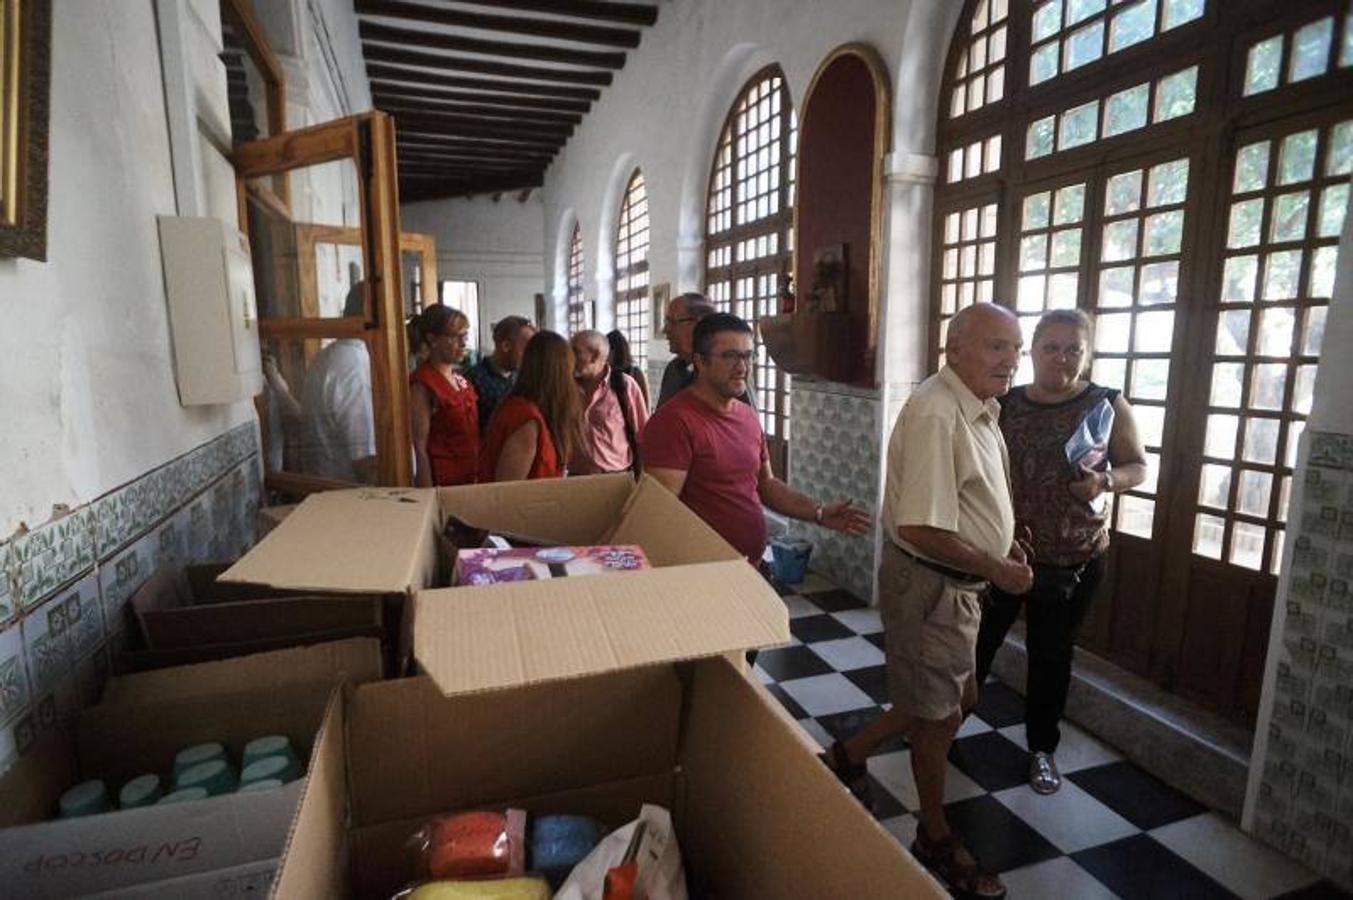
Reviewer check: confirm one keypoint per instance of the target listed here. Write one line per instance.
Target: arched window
(633, 306)
(1178, 168)
(579, 309)
(749, 228)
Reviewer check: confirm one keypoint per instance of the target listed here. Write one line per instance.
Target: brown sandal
(951, 862)
(855, 776)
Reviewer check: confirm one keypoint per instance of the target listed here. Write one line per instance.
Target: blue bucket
(790, 557)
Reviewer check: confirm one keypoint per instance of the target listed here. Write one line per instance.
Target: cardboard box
(494, 565)
(588, 695)
(145, 722)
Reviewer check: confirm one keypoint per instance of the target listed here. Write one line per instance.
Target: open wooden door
(334, 411)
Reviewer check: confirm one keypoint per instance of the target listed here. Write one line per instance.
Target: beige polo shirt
(948, 468)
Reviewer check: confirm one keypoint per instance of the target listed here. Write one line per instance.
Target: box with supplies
(567, 730)
(179, 781)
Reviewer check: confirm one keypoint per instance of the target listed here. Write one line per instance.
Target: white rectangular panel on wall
(213, 314)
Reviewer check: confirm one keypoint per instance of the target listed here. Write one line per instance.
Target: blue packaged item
(790, 559)
(558, 843)
(1088, 446)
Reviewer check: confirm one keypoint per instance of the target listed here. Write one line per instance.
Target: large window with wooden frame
(749, 229)
(633, 302)
(1179, 169)
(580, 316)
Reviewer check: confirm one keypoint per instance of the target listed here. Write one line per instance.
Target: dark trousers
(1054, 608)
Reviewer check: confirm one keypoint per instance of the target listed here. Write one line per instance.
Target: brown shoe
(855, 776)
(950, 862)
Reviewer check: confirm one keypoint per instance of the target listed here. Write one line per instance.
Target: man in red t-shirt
(709, 449)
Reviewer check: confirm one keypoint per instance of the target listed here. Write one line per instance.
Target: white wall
(86, 375)
(494, 242)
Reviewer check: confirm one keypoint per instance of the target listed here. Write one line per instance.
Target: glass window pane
(1322, 272)
(1168, 184)
(1070, 205)
(1261, 440)
(1077, 10)
(1293, 443)
(1251, 168)
(1238, 279)
(1111, 333)
(1253, 493)
(1062, 289)
(1150, 379)
(1177, 12)
(1266, 386)
(1135, 515)
(1289, 217)
(1275, 332)
(1085, 45)
(1346, 53)
(1176, 95)
(1281, 274)
(1247, 545)
(1123, 193)
(1033, 252)
(1120, 241)
(1214, 487)
(1311, 50)
(1079, 126)
(1333, 205)
(997, 45)
(1036, 210)
(1040, 137)
(1296, 160)
(1030, 295)
(1245, 220)
(1047, 20)
(1313, 335)
(1339, 155)
(1155, 330)
(1132, 25)
(1160, 283)
(1066, 247)
(1043, 62)
(1110, 373)
(1220, 441)
(1303, 390)
(1164, 232)
(1126, 110)
(1261, 66)
(1227, 381)
(1233, 332)
(1208, 532)
(1115, 286)
(1150, 423)
(996, 84)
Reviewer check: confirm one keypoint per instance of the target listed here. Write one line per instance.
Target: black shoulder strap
(622, 395)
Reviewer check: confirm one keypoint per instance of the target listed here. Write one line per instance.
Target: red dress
(514, 412)
(453, 433)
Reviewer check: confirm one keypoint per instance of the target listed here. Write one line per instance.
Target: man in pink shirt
(709, 449)
(614, 411)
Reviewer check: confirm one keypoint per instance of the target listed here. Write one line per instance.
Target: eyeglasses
(453, 336)
(668, 321)
(1071, 351)
(732, 357)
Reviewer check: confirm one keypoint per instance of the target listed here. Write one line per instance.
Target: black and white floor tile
(1111, 831)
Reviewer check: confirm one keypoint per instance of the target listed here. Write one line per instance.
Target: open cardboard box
(143, 722)
(587, 695)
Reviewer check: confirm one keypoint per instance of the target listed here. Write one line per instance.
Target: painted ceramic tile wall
(1301, 782)
(65, 584)
(834, 453)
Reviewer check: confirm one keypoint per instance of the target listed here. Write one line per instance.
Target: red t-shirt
(722, 453)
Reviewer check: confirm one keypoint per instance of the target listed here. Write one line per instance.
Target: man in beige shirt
(950, 527)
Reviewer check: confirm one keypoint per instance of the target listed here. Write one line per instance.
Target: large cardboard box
(589, 695)
(143, 722)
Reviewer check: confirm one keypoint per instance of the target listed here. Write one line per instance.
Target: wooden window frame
(580, 312)
(626, 247)
(25, 97)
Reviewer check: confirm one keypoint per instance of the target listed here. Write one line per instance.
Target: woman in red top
(536, 426)
(444, 408)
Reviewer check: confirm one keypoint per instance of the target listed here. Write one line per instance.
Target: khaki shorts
(930, 625)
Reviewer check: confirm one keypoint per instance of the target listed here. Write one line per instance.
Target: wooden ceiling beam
(381, 53)
(509, 140)
(478, 165)
(475, 145)
(394, 103)
(415, 37)
(472, 126)
(551, 28)
(430, 153)
(424, 78)
(426, 144)
(421, 92)
(440, 189)
(629, 13)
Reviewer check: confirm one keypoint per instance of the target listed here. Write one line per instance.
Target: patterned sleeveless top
(1067, 532)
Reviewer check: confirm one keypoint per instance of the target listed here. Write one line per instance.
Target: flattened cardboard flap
(572, 511)
(369, 540)
(648, 520)
(472, 639)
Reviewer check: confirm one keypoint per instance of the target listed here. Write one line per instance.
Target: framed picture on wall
(662, 293)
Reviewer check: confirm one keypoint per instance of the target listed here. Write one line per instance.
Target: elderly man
(950, 526)
(708, 448)
(614, 412)
(494, 374)
(683, 313)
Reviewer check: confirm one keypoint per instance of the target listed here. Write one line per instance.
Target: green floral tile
(120, 576)
(45, 559)
(47, 645)
(14, 691)
(7, 603)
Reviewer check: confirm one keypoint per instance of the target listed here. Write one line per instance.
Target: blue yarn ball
(558, 843)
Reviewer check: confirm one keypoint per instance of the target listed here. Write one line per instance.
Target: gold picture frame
(25, 82)
(662, 294)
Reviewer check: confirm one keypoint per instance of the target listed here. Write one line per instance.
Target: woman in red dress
(443, 405)
(536, 426)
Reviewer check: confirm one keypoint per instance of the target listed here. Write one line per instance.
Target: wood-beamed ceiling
(486, 92)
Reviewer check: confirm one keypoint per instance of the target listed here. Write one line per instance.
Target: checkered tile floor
(1112, 830)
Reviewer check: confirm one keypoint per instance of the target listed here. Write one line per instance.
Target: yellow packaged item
(524, 888)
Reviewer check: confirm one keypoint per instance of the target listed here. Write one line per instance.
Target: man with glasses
(709, 449)
(494, 375)
(683, 313)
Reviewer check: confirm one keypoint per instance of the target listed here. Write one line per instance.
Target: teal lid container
(183, 795)
(196, 755)
(282, 768)
(85, 799)
(268, 745)
(215, 776)
(143, 790)
(263, 784)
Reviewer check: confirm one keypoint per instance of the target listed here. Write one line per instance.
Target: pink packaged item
(492, 565)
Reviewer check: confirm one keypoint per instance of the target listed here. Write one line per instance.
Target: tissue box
(492, 565)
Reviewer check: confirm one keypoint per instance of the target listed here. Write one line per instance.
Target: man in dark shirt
(683, 313)
(494, 374)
